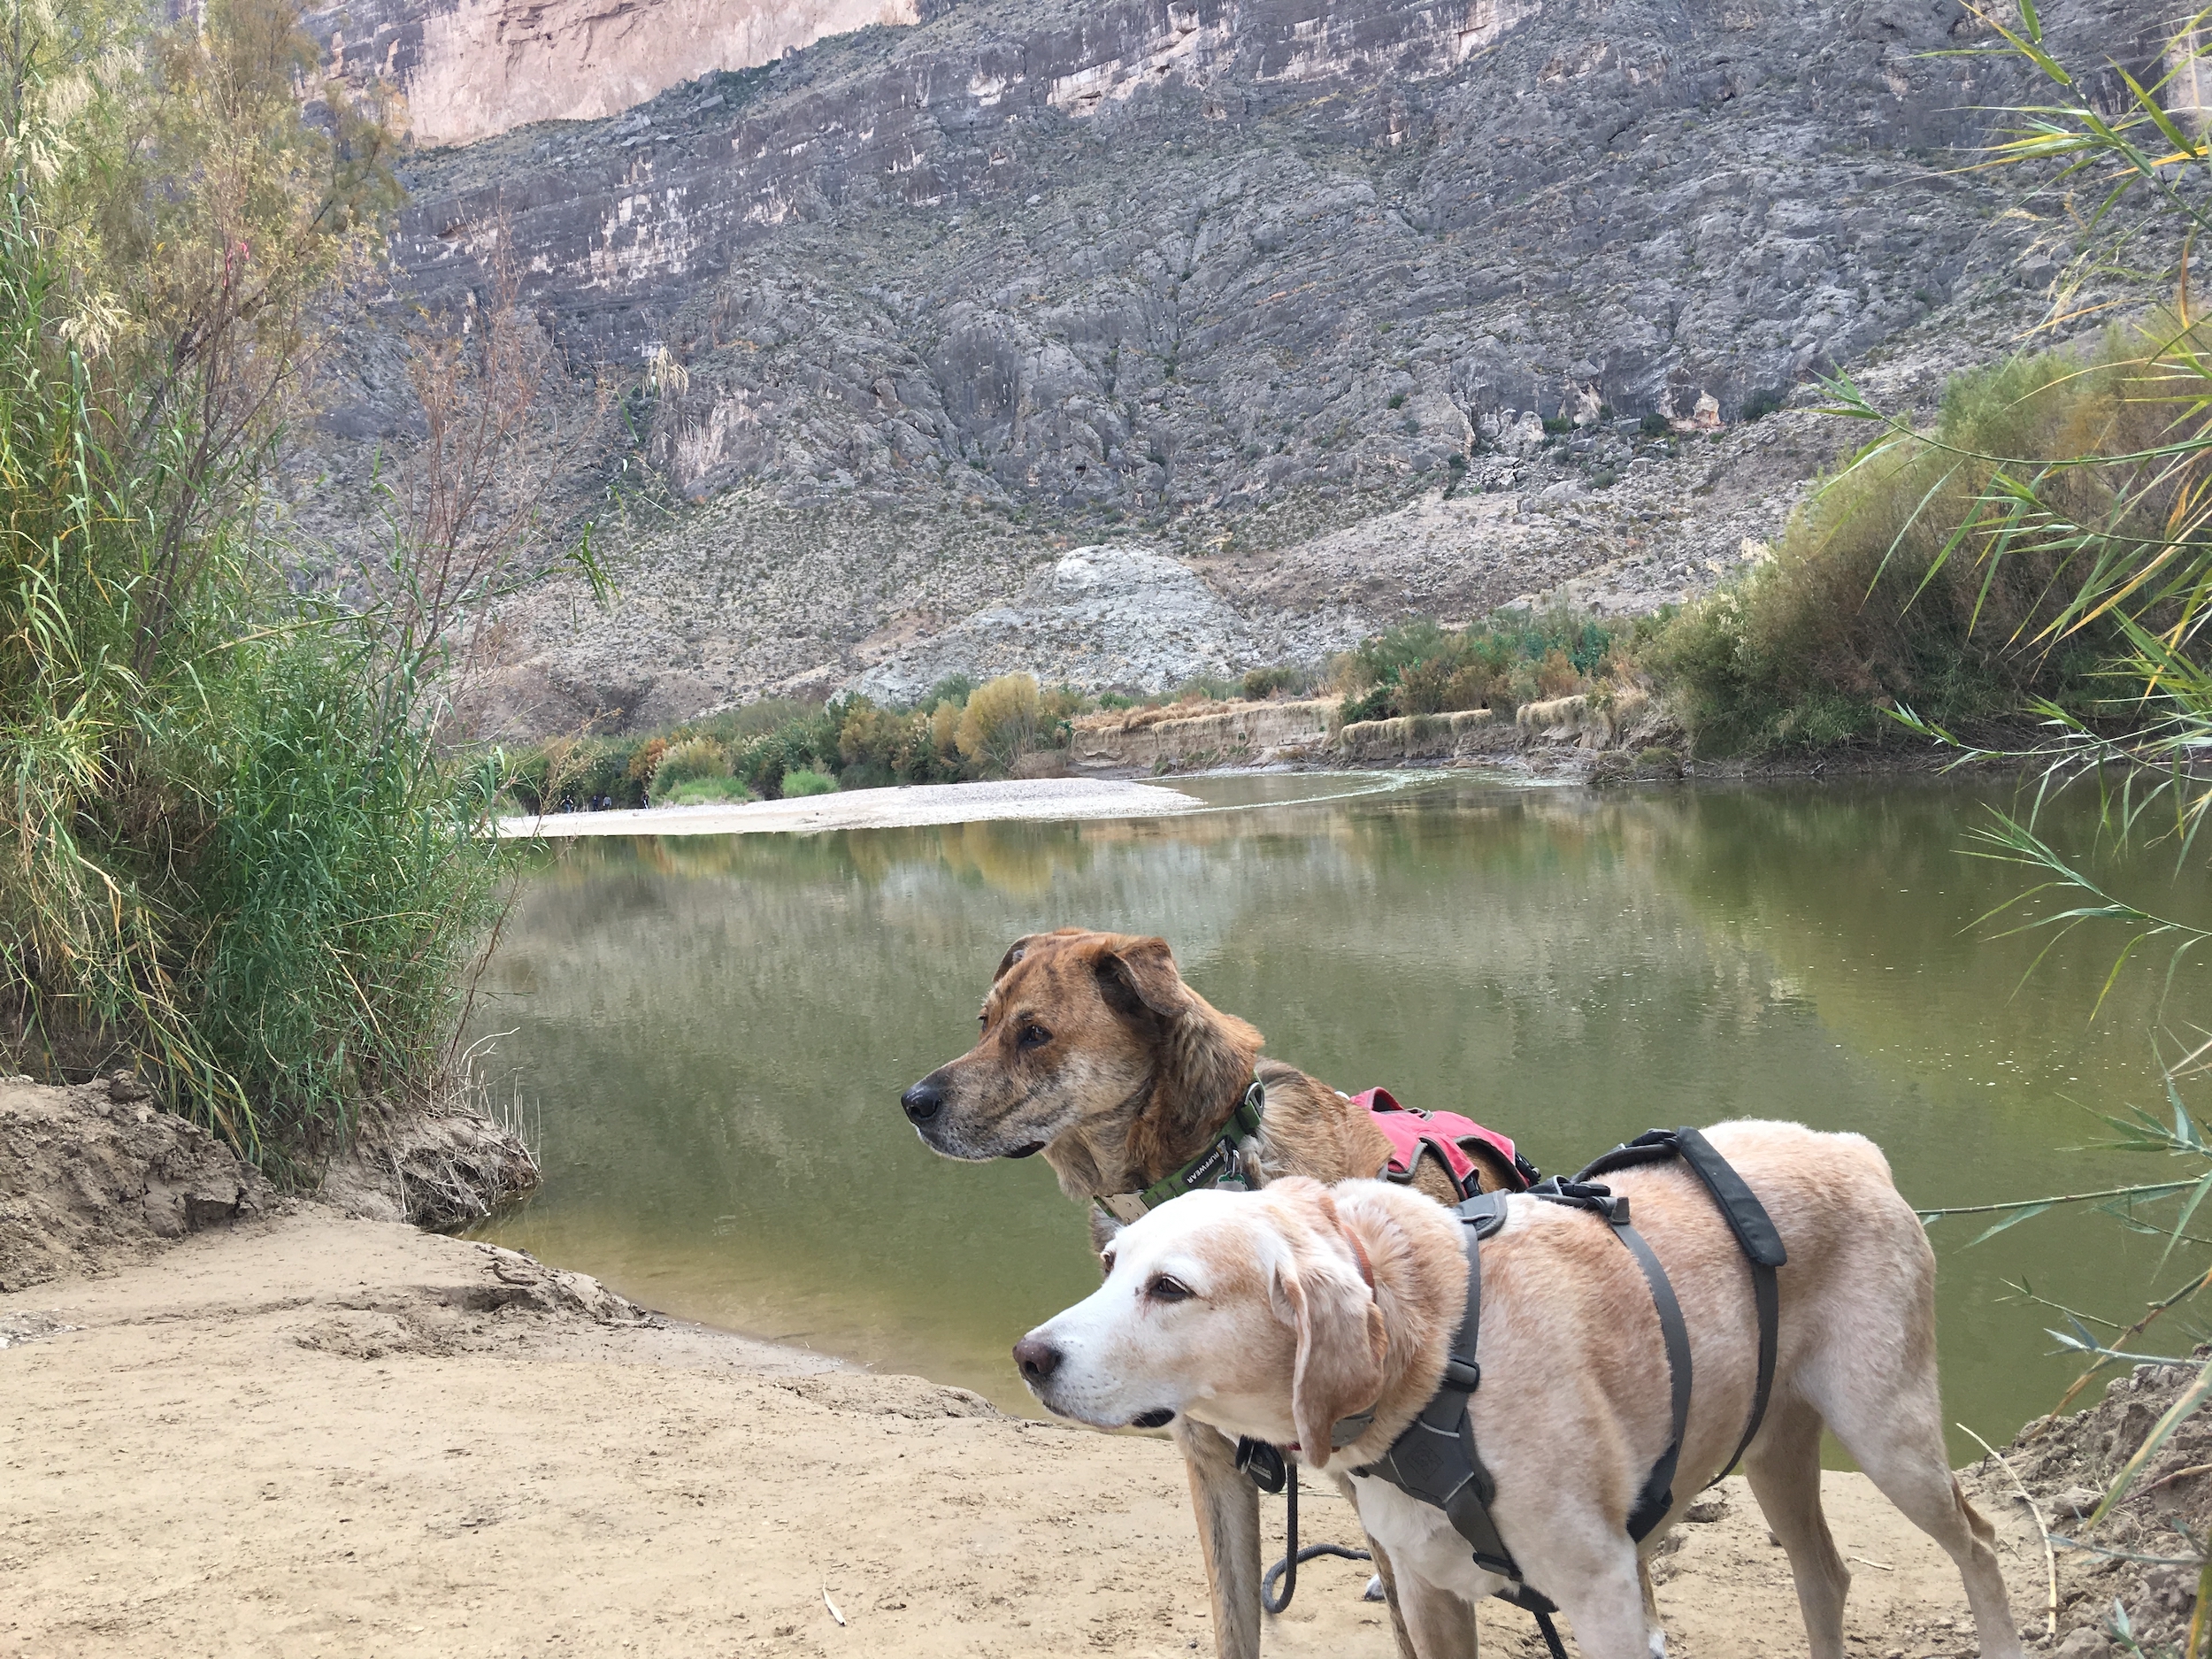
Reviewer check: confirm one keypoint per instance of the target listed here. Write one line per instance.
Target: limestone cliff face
(470, 69)
(1229, 272)
(1157, 251)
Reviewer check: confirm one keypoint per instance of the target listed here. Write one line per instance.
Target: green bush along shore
(1894, 586)
(234, 855)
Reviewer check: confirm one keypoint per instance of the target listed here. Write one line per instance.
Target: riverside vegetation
(235, 856)
(1010, 726)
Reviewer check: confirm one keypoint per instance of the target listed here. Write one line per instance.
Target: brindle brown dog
(1095, 1053)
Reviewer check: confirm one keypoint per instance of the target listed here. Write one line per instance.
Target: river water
(710, 1035)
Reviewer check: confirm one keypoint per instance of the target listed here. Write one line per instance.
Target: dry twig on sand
(2042, 1530)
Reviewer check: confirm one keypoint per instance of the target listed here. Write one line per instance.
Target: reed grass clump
(1883, 591)
(691, 760)
(233, 853)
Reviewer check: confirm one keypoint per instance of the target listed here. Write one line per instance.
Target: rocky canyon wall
(470, 69)
(1232, 273)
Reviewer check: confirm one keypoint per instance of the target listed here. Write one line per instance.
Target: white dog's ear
(1318, 1292)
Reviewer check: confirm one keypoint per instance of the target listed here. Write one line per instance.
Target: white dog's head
(1251, 1311)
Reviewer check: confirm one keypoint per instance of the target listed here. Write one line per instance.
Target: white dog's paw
(1656, 1644)
(1374, 1591)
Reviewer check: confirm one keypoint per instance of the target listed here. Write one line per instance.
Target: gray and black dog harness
(1436, 1460)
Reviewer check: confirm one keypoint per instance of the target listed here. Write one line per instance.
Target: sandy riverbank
(875, 809)
(310, 1433)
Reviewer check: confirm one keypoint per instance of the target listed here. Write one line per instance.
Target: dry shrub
(1000, 723)
(691, 758)
(642, 763)
(1421, 686)
(944, 731)
(1557, 676)
(1471, 686)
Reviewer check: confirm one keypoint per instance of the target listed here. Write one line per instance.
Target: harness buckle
(1590, 1195)
(1464, 1375)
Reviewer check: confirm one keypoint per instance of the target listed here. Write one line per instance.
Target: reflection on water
(718, 1030)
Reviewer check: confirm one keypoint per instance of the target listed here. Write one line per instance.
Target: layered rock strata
(1226, 735)
(1239, 275)
(472, 69)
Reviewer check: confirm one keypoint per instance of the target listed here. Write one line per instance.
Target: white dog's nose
(1037, 1359)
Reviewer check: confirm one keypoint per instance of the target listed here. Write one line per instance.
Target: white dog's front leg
(1606, 1607)
(1228, 1509)
(1438, 1624)
(1655, 1633)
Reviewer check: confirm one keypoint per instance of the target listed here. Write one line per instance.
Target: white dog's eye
(1165, 1289)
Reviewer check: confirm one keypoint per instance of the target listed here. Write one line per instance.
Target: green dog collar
(1219, 1164)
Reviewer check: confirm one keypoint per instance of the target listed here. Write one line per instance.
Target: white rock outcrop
(1101, 618)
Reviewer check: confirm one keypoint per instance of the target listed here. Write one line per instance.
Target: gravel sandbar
(875, 809)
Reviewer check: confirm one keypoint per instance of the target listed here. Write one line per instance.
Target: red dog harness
(1445, 1137)
(1463, 1146)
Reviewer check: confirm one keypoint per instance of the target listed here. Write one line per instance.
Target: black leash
(1551, 1633)
(1272, 1472)
(1256, 1463)
(1287, 1569)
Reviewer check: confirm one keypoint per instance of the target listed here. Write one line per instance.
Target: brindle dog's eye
(1165, 1289)
(1036, 1036)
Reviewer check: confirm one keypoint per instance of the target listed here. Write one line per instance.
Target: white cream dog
(1279, 1313)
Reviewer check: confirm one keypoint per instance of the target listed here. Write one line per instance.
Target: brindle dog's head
(1094, 1053)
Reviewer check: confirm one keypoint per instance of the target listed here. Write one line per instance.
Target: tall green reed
(233, 853)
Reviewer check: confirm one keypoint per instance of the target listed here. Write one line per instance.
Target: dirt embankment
(95, 1176)
(92, 1176)
(1571, 732)
(300, 1432)
(2065, 1465)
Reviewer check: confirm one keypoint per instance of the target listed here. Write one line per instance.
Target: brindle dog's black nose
(923, 1101)
(1037, 1360)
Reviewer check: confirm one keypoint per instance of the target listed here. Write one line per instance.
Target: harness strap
(1755, 1236)
(1767, 1295)
(1738, 1205)
(1435, 1459)
(1658, 1497)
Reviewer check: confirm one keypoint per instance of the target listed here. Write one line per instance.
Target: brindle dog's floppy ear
(1141, 974)
(1318, 1292)
(1015, 952)
(1021, 948)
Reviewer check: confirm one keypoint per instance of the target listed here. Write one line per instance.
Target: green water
(711, 1033)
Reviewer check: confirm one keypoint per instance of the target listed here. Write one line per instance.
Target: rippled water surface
(710, 1034)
